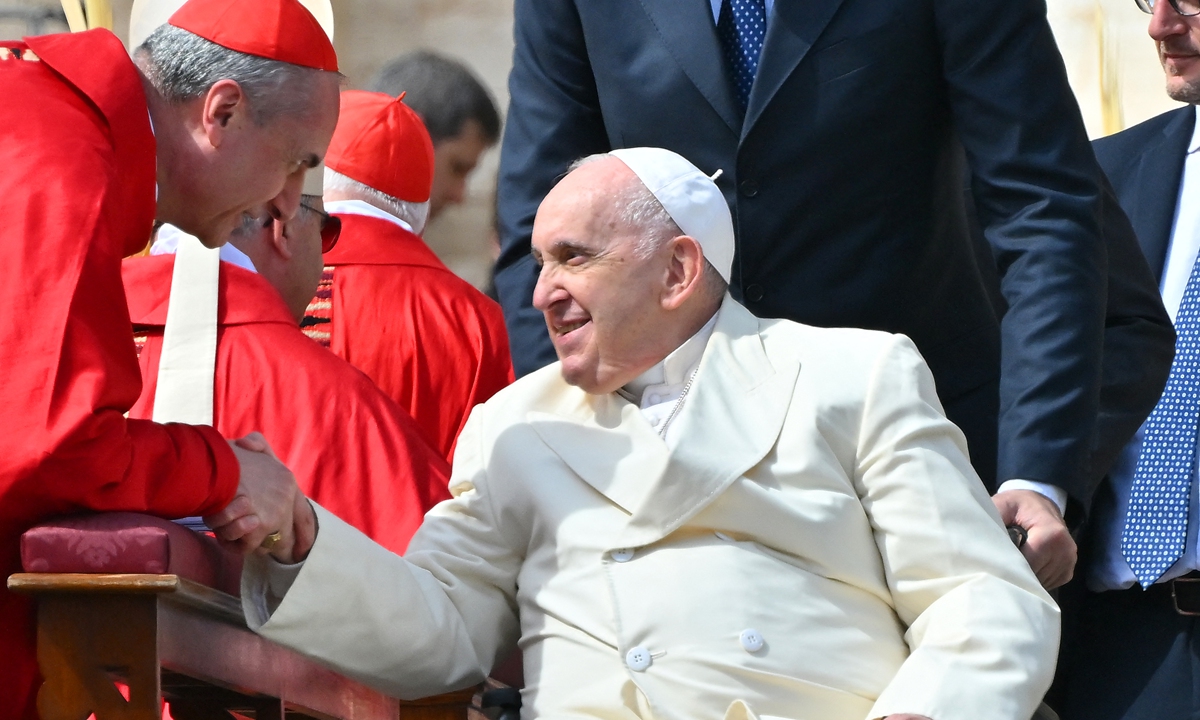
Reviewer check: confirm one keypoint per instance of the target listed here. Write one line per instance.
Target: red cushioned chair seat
(129, 543)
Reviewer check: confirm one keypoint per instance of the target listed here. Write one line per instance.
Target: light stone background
(1104, 43)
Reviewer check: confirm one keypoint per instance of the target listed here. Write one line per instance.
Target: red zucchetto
(275, 29)
(382, 143)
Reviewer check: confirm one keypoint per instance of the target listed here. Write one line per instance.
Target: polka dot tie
(741, 26)
(1156, 527)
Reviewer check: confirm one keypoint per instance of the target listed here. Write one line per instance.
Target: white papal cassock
(813, 545)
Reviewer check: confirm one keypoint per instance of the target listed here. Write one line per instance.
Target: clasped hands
(267, 501)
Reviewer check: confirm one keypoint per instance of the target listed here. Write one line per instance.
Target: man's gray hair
(414, 213)
(638, 209)
(183, 66)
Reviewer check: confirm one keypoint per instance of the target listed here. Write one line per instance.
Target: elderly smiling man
(695, 514)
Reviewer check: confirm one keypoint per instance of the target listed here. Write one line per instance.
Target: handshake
(269, 514)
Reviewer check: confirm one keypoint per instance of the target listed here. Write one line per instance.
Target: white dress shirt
(1110, 571)
(716, 9)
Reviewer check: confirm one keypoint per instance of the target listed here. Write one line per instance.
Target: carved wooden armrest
(163, 635)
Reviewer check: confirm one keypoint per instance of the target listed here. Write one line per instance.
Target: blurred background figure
(458, 111)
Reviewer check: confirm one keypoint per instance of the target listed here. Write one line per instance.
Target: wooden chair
(162, 635)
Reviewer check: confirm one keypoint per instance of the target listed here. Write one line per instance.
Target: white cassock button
(622, 554)
(752, 640)
(638, 658)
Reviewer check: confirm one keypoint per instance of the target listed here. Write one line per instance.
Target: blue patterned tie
(1155, 532)
(741, 26)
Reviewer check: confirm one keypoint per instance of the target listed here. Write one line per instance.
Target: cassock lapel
(728, 423)
(1158, 177)
(690, 35)
(791, 31)
(606, 442)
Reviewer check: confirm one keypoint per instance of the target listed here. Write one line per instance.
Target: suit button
(754, 292)
(638, 658)
(622, 555)
(752, 640)
(749, 188)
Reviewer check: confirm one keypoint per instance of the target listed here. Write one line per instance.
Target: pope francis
(696, 513)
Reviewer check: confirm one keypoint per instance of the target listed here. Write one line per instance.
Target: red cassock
(433, 343)
(78, 161)
(351, 448)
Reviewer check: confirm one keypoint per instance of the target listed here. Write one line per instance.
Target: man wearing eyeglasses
(346, 442)
(1135, 653)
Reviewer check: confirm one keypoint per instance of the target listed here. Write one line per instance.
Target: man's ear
(684, 271)
(283, 245)
(225, 107)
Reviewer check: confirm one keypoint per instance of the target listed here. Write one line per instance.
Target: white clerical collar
(166, 242)
(669, 376)
(358, 207)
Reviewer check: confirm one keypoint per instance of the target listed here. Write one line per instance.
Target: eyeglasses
(1186, 8)
(331, 228)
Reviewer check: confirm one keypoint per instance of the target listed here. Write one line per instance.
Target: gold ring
(271, 540)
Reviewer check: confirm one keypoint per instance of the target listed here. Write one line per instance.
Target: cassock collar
(675, 369)
(370, 240)
(243, 298)
(166, 242)
(358, 207)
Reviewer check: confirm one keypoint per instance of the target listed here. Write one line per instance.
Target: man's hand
(306, 531)
(266, 499)
(1050, 549)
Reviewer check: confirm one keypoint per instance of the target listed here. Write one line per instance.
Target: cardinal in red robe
(351, 448)
(386, 304)
(79, 184)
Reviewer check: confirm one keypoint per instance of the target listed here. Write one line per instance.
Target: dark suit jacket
(1139, 340)
(841, 177)
(1145, 166)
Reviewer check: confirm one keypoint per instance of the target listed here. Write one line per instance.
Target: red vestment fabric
(433, 343)
(351, 448)
(78, 185)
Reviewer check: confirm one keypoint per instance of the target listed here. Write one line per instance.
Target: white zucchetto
(690, 197)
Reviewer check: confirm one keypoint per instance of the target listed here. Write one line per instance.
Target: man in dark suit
(836, 130)
(1133, 652)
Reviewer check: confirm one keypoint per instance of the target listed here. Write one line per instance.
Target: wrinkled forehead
(589, 216)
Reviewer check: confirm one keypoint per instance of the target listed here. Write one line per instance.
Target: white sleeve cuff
(1056, 494)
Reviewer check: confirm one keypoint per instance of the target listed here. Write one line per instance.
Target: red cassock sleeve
(68, 371)
(351, 448)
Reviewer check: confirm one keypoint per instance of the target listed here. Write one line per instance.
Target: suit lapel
(728, 423)
(791, 31)
(688, 31)
(606, 442)
(1158, 178)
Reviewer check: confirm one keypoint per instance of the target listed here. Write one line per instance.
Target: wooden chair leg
(86, 645)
